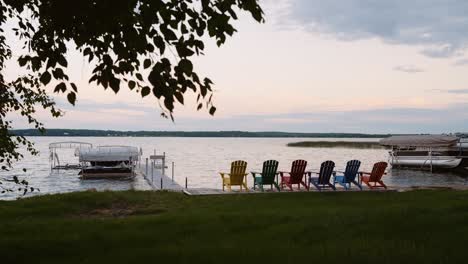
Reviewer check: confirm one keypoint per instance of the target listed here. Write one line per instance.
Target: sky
(365, 66)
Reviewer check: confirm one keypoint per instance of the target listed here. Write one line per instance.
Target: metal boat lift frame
(54, 159)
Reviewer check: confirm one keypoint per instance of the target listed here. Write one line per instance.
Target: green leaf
(45, 78)
(179, 97)
(22, 61)
(186, 66)
(131, 85)
(74, 87)
(61, 87)
(150, 47)
(87, 51)
(62, 61)
(139, 77)
(114, 84)
(168, 33)
(159, 42)
(145, 91)
(147, 63)
(71, 98)
(212, 110)
(58, 74)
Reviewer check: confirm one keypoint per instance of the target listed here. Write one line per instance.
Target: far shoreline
(195, 134)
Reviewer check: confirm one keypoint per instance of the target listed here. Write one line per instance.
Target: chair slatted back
(238, 169)
(297, 171)
(269, 171)
(378, 171)
(352, 170)
(326, 171)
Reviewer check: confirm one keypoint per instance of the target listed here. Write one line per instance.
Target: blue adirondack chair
(349, 175)
(323, 179)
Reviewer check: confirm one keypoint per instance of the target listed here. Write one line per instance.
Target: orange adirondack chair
(375, 176)
(295, 176)
(237, 176)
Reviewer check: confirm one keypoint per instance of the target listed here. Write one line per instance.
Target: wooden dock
(157, 180)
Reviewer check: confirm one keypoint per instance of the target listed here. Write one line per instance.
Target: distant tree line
(114, 133)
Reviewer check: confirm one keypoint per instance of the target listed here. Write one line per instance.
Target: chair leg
(277, 187)
(383, 184)
(245, 186)
(357, 184)
(317, 186)
(305, 185)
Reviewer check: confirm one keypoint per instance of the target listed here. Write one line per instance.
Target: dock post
(152, 170)
(186, 183)
(172, 171)
(161, 183)
(430, 151)
(146, 167)
(164, 164)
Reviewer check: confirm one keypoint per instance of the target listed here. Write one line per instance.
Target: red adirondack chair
(374, 178)
(295, 176)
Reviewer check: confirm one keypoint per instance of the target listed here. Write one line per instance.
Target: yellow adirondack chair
(237, 175)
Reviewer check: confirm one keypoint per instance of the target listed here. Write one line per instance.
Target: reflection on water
(200, 160)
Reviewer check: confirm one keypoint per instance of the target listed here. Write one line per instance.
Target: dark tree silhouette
(143, 45)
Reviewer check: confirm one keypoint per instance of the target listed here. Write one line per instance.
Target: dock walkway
(157, 180)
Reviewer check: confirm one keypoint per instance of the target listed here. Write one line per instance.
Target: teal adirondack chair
(268, 176)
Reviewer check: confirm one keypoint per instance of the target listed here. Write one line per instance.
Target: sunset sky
(396, 66)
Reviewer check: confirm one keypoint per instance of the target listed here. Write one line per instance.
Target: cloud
(408, 69)
(458, 91)
(451, 91)
(378, 120)
(461, 62)
(440, 27)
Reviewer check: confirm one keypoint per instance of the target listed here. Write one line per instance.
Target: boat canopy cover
(420, 141)
(109, 153)
(70, 145)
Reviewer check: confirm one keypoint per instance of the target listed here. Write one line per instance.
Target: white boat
(427, 151)
(96, 162)
(108, 162)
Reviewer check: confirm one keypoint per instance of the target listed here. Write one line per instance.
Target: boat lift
(54, 158)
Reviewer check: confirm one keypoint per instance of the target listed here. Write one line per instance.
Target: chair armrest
(224, 173)
(255, 172)
(363, 172)
(282, 173)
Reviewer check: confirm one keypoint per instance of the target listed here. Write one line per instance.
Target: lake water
(200, 160)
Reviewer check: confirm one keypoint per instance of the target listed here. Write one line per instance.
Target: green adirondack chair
(268, 176)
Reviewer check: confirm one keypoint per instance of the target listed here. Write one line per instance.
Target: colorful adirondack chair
(295, 176)
(375, 176)
(323, 179)
(237, 176)
(267, 176)
(349, 175)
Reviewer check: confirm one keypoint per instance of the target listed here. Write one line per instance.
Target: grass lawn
(158, 227)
